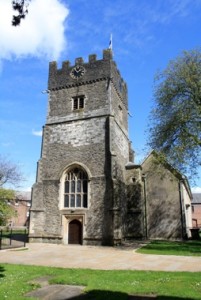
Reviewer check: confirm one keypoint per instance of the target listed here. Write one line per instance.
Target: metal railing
(13, 238)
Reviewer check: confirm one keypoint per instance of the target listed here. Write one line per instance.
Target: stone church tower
(78, 195)
(88, 190)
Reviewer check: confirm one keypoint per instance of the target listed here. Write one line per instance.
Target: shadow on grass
(109, 295)
(167, 247)
(2, 269)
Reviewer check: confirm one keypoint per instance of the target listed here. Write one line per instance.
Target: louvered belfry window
(78, 102)
(76, 189)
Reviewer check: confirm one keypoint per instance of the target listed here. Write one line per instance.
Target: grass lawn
(187, 248)
(15, 282)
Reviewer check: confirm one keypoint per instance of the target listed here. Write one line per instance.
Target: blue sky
(146, 35)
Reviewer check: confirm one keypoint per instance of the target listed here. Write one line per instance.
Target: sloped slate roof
(196, 198)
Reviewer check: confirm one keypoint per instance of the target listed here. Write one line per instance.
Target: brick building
(88, 189)
(196, 210)
(21, 204)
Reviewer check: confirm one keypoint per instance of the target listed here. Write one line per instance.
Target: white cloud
(41, 33)
(37, 133)
(196, 190)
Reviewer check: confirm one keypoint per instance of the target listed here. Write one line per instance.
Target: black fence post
(25, 231)
(11, 236)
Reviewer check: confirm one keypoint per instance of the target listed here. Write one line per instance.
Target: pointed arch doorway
(75, 232)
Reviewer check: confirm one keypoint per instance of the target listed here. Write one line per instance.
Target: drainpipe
(181, 209)
(145, 204)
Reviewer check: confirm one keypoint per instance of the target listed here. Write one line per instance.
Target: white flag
(110, 43)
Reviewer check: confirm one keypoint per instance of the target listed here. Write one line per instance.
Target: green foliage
(6, 194)
(175, 127)
(188, 248)
(6, 210)
(17, 280)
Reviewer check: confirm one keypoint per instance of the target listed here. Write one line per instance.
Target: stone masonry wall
(162, 201)
(96, 102)
(80, 133)
(94, 137)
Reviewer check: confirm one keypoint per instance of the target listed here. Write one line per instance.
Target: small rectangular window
(78, 204)
(67, 187)
(85, 200)
(84, 186)
(78, 102)
(66, 201)
(79, 186)
(73, 186)
(120, 113)
(72, 200)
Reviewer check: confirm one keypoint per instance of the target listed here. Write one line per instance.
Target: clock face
(77, 72)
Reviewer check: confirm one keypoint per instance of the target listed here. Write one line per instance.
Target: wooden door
(75, 232)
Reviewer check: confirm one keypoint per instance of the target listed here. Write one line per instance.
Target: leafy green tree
(9, 176)
(175, 120)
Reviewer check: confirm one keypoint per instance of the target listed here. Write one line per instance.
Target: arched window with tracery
(76, 189)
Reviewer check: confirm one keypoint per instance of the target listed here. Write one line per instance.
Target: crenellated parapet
(93, 70)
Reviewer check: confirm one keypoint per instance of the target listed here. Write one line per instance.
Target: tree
(175, 127)
(9, 176)
(21, 7)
